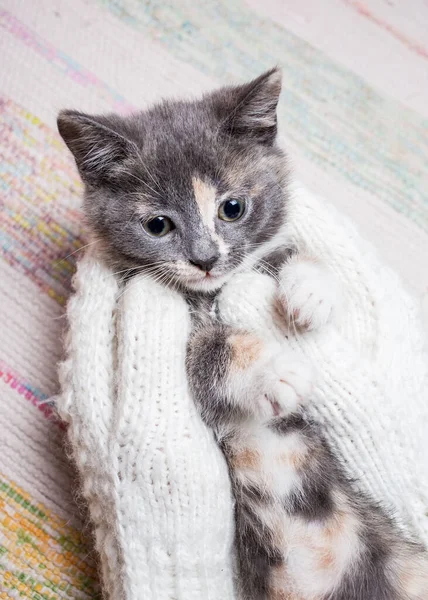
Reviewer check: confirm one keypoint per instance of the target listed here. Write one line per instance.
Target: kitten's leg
(234, 374)
(308, 292)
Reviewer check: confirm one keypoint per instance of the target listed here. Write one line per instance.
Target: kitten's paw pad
(288, 383)
(309, 294)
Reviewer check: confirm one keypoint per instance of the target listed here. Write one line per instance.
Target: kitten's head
(186, 191)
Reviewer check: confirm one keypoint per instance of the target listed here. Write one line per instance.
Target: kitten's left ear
(250, 110)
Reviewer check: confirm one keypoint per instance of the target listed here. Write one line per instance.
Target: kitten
(192, 193)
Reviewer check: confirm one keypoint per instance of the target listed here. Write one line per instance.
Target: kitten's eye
(158, 226)
(231, 210)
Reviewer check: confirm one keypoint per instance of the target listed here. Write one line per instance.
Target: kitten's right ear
(97, 149)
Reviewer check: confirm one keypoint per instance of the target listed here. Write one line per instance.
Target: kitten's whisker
(138, 267)
(155, 192)
(152, 177)
(171, 280)
(176, 283)
(131, 217)
(148, 266)
(75, 251)
(128, 270)
(137, 279)
(263, 243)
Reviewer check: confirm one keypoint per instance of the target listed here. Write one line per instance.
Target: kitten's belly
(316, 553)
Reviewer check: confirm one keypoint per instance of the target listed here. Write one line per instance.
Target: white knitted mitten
(155, 481)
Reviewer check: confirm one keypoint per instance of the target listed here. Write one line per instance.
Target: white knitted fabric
(155, 481)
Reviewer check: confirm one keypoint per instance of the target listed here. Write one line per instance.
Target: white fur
(290, 378)
(194, 278)
(272, 472)
(309, 293)
(278, 376)
(307, 547)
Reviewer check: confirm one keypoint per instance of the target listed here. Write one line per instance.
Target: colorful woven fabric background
(354, 115)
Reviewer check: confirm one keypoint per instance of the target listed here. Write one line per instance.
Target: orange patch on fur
(247, 459)
(336, 526)
(246, 349)
(295, 459)
(205, 195)
(327, 560)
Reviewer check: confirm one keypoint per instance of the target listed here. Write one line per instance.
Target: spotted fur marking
(246, 349)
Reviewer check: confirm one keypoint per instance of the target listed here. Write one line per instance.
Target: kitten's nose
(205, 264)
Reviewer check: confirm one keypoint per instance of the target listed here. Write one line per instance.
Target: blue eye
(231, 210)
(158, 226)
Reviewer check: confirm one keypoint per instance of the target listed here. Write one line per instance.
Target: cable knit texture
(155, 481)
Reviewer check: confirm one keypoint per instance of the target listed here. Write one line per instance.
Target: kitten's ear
(97, 149)
(251, 108)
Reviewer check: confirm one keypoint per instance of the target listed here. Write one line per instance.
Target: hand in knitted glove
(155, 481)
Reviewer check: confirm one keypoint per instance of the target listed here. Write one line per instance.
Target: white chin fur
(206, 284)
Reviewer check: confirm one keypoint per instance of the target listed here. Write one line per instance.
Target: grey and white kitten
(193, 193)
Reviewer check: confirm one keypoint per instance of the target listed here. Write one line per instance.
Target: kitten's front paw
(287, 383)
(309, 294)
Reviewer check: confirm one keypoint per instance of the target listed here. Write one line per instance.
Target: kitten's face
(188, 192)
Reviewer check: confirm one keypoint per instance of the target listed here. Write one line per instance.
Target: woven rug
(352, 142)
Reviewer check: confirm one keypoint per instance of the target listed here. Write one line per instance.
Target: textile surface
(356, 132)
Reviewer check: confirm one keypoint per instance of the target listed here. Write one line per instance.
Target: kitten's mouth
(202, 277)
(205, 282)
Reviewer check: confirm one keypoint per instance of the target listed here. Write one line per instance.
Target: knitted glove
(156, 483)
